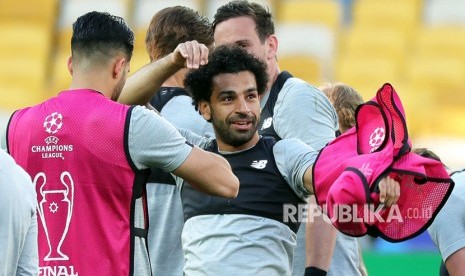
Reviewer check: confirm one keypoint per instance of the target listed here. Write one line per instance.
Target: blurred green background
(402, 264)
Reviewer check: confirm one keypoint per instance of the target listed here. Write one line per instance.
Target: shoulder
(139, 114)
(459, 179)
(459, 175)
(289, 146)
(184, 100)
(296, 90)
(289, 142)
(141, 110)
(143, 120)
(13, 170)
(6, 160)
(298, 85)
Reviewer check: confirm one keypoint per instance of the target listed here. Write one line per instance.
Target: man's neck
(273, 75)
(97, 86)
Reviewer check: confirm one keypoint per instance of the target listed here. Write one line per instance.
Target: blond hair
(345, 100)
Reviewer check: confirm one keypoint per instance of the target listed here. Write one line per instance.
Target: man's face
(234, 110)
(241, 32)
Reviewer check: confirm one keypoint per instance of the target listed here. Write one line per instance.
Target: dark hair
(174, 25)
(426, 153)
(100, 34)
(261, 15)
(224, 59)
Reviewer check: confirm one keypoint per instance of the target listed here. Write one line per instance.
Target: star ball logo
(53, 123)
(52, 148)
(377, 138)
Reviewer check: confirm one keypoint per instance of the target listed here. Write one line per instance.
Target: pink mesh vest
(74, 146)
(347, 172)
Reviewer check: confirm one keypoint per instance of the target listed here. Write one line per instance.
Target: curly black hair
(222, 60)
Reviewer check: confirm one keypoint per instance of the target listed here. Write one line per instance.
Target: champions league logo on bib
(52, 125)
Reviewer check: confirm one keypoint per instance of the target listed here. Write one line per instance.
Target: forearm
(455, 264)
(320, 241)
(146, 81)
(308, 180)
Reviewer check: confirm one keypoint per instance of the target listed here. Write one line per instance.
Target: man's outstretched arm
(145, 82)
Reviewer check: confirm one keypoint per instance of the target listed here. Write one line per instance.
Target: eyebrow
(226, 93)
(242, 41)
(252, 89)
(232, 92)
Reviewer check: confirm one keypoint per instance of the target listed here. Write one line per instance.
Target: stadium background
(416, 45)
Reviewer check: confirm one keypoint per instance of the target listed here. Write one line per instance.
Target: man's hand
(190, 54)
(146, 81)
(389, 191)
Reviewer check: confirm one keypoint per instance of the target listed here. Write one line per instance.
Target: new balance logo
(260, 164)
(267, 123)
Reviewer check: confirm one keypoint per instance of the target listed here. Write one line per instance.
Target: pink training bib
(348, 170)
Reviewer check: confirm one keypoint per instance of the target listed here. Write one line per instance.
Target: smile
(242, 125)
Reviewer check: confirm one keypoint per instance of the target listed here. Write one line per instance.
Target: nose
(243, 106)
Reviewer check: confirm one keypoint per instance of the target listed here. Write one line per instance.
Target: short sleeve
(293, 158)
(154, 142)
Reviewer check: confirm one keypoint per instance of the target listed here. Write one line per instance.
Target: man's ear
(272, 42)
(70, 65)
(118, 67)
(204, 108)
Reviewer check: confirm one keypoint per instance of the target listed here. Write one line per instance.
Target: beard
(118, 88)
(230, 136)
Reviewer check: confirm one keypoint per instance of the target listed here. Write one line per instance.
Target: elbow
(231, 190)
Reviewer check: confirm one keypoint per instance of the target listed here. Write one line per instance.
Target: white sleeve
(293, 158)
(18, 221)
(154, 142)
